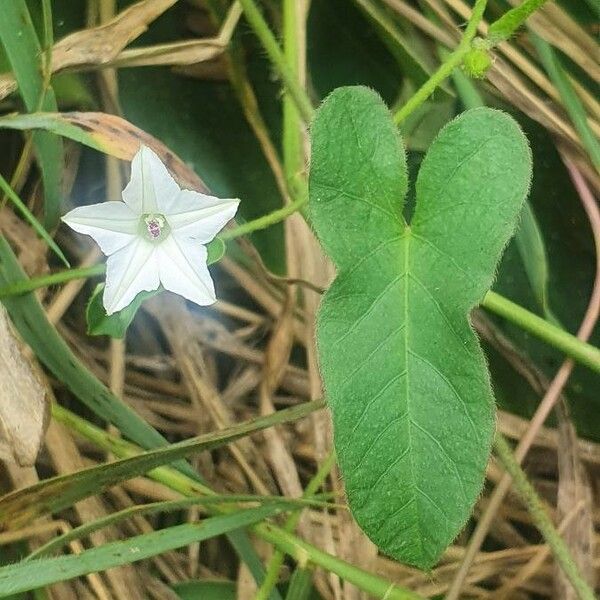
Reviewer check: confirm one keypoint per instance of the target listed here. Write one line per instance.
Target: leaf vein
(450, 387)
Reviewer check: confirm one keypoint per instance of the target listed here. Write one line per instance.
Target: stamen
(154, 226)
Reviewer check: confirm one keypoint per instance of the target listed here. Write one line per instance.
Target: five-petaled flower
(156, 236)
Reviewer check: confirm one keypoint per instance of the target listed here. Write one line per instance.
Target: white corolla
(158, 235)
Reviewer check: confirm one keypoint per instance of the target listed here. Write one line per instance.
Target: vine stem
(555, 336)
(29, 285)
(276, 561)
(541, 518)
(271, 46)
(301, 551)
(265, 221)
(453, 60)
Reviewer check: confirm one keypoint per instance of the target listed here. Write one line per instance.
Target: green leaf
(532, 249)
(115, 325)
(22, 46)
(404, 374)
(30, 575)
(206, 590)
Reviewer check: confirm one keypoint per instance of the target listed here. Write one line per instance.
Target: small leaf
(115, 325)
(216, 251)
(405, 377)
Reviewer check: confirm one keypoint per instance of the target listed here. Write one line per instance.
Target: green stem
(164, 506)
(569, 98)
(551, 334)
(504, 27)
(453, 60)
(269, 42)
(276, 562)
(541, 519)
(301, 551)
(29, 285)
(265, 221)
(294, 34)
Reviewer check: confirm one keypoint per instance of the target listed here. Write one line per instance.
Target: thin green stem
(48, 48)
(29, 285)
(269, 42)
(453, 60)
(263, 222)
(300, 550)
(511, 20)
(569, 98)
(304, 553)
(276, 562)
(541, 519)
(293, 151)
(551, 334)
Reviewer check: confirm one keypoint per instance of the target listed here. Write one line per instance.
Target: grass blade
(31, 575)
(57, 493)
(108, 134)
(569, 98)
(24, 51)
(30, 218)
(166, 506)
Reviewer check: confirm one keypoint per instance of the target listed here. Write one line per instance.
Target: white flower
(156, 236)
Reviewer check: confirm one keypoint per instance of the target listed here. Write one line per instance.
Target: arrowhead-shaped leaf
(405, 377)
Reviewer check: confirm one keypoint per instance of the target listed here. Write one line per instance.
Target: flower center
(154, 227)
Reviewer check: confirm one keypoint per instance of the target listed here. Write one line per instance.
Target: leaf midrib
(407, 238)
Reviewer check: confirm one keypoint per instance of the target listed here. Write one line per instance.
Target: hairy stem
(453, 60)
(276, 562)
(551, 334)
(511, 20)
(541, 519)
(269, 42)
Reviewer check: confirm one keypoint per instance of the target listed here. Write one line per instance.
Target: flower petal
(129, 271)
(183, 270)
(113, 225)
(198, 216)
(150, 183)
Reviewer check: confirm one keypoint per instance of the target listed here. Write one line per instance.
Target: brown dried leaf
(24, 410)
(574, 504)
(188, 52)
(102, 44)
(99, 45)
